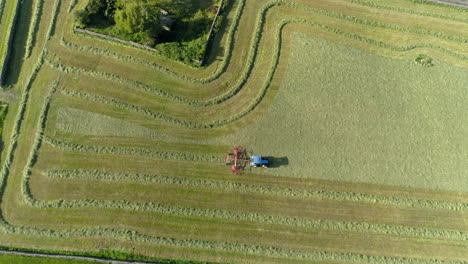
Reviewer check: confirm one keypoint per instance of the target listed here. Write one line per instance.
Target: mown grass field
(110, 147)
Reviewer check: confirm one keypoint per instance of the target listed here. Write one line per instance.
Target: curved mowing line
(143, 152)
(252, 55)
(175, 210)
(372, 23)
(266, 190)
(408, 11)
(220, 70)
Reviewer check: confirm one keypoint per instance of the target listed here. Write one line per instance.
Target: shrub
(424, 60)
(82, 18)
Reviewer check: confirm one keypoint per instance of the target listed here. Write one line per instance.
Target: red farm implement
(238, 160)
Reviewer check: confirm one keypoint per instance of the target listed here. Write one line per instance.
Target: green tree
(82, 18)
(140, 20)
(96, 7)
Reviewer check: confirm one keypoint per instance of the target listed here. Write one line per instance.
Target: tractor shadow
(276, 162)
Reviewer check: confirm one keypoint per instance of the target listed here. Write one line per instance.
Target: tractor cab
(257, 161)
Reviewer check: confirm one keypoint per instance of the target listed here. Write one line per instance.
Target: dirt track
(459, 3)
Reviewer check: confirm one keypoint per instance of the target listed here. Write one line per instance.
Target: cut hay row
(131, 83)
(409, 11)
(38, 139)
(266, 190)
(22, 108)
(376, 24)
(53, 20)
(65, 146)
(254, 48)
(213, 213)
(353, 19)
(215, 75)
(7, 44)
(323, 224)
(126, 235)
(33, 28)
(72, 5)
(262, 92)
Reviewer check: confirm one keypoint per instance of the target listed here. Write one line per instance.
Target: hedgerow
(402, 202)
(33, 27)
(409, 11)
(227, 51)
(65, 146)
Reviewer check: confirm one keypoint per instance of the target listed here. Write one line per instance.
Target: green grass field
(109, 147)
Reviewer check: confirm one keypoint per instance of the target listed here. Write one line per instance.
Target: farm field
(6, 259)
(110, 147)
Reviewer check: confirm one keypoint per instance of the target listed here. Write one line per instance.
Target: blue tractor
(257, 161)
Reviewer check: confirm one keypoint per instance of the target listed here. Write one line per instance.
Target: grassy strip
(33, 27)
(409, 11)
(221, 246)
(3, 113)
(104, 254)
(2, 7)
(72, 5)
(137, 85)
(241, 187)
(9, 39)
(64, 146)
(262, 92)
